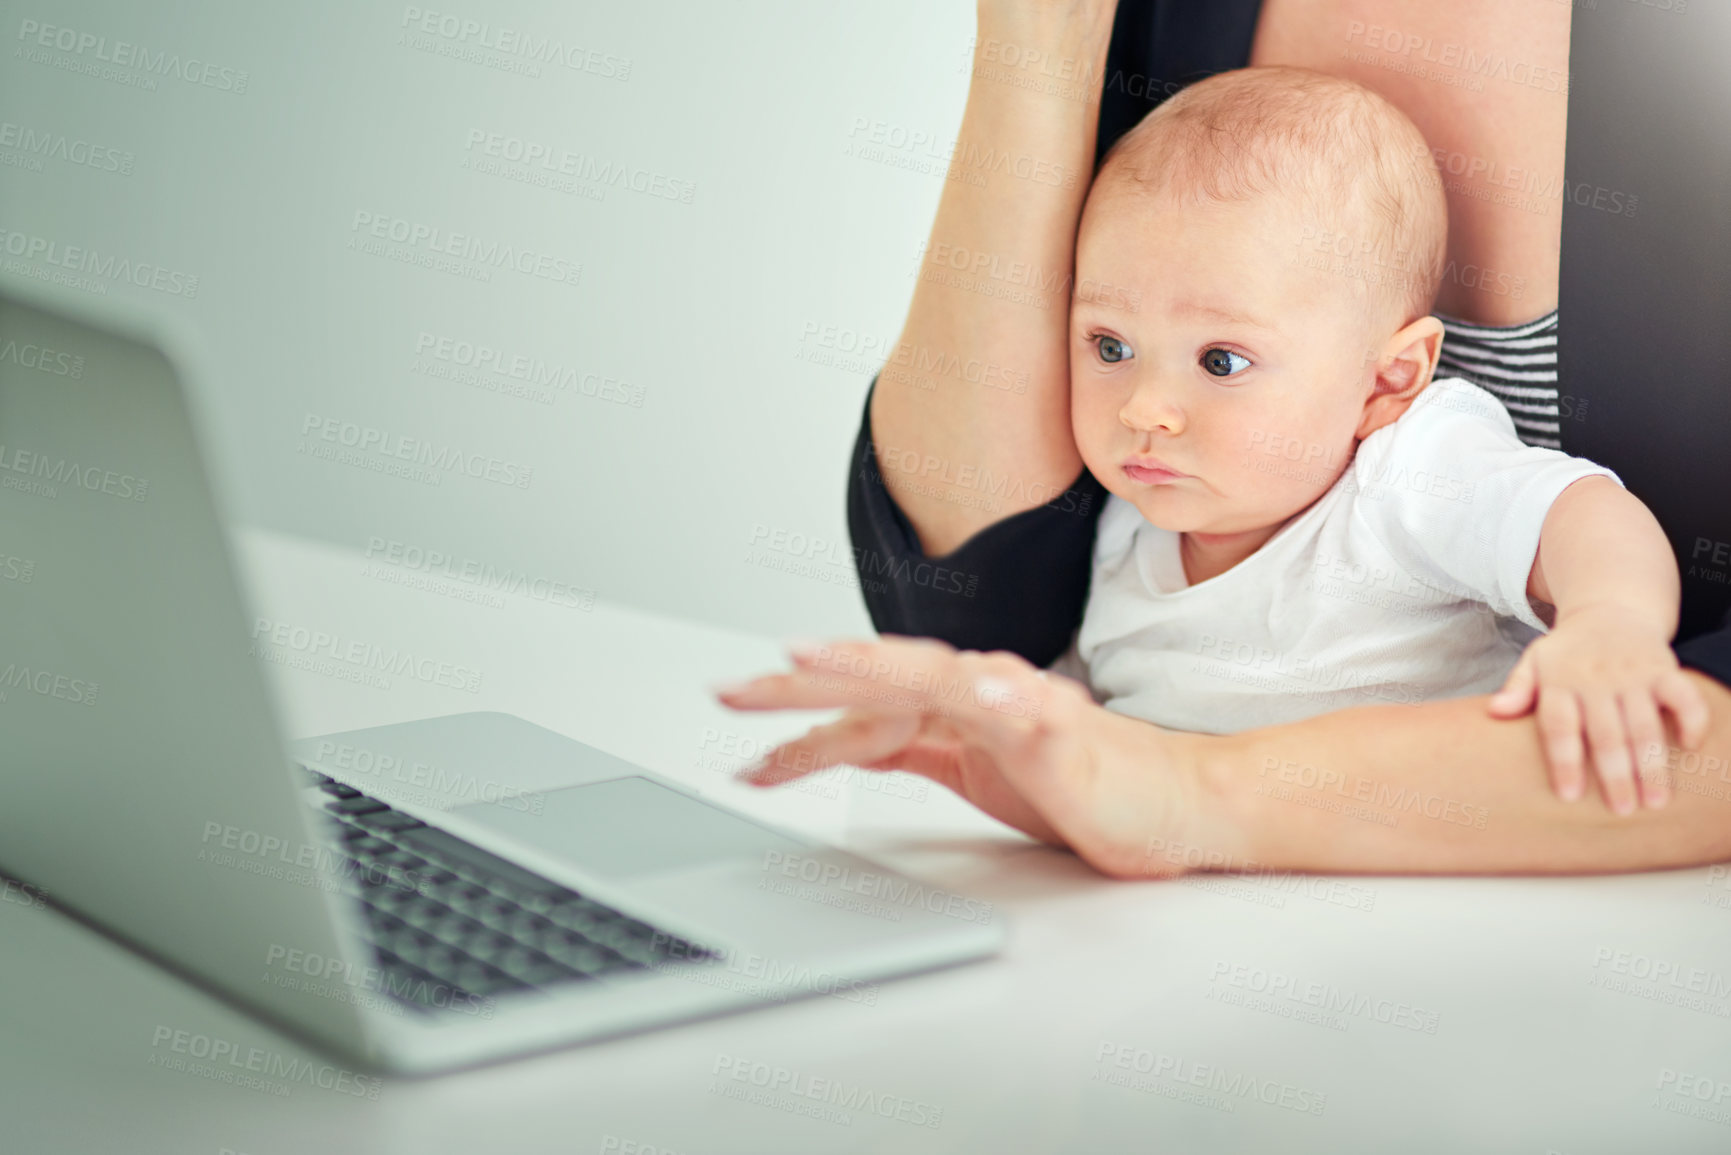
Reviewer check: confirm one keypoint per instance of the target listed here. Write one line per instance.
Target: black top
(1021, 583)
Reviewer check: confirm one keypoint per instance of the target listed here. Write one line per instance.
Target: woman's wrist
(1223, 767)
(1219, 811)
(1167, 802)
(1065, 30)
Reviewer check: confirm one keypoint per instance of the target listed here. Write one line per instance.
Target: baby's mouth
(1150, 471)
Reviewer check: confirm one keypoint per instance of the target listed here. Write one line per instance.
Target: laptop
(148, 790)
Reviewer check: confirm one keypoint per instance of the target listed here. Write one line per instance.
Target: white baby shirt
(1406, 581)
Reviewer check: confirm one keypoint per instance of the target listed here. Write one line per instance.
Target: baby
(1301, 519)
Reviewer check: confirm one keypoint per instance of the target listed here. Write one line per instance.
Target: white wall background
(698, 412)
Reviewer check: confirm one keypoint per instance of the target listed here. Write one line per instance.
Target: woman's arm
(1430, 789)
(998, 233)
(1444, 788)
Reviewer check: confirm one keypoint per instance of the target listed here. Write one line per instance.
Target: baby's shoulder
(1448, 423)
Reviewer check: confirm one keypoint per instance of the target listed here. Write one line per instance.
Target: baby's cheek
(1272, 476)
(1243, 477)
(1093, 425)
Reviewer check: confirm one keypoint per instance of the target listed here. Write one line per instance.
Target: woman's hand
(1030, 749)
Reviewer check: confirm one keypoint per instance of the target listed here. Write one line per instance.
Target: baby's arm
(1606, 668)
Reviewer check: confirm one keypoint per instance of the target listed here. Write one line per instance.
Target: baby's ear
(1403, 367)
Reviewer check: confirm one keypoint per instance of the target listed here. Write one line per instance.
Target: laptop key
(384, 922)
(516, 961)
(584, 917)
(404, 981)
(497, 916)
(489, 946)
(636, 953)
(632, 928)
(444, 847)
(410, 906)
(484, 980)
(386, 899)
(424, 916)
(614, 961)
(356, 803)
(451, 935)
(332, 786)
(525, 926)
(460, 931)
(548, 972)
(387, 820)
(435, 875)
(440, 959)
(469, 900)
(584, 957)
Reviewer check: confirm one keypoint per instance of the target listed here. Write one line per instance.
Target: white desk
(1540, 1043)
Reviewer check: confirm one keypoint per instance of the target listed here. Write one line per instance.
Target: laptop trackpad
(629, 826)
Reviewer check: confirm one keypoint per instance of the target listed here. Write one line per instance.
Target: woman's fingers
(922, 744)
(814, 684)
(987, 726)
(795, 691)
(998, 697)
(997, 692)
(990, 727)
(858, 738)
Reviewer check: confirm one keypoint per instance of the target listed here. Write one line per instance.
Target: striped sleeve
(1517, 365)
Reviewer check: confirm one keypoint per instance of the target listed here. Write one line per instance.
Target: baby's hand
(1606, 673)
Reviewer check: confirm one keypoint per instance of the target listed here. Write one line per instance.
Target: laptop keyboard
(449, 920)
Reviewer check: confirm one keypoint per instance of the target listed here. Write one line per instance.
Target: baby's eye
(1112, 350)
(1223, 362)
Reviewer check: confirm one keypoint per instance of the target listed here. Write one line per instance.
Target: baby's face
(1227, 400)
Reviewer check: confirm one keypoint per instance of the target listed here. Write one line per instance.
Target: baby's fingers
(1683, 699)
(1516, 696)
(1609, 739)
(1647, 740)
(1559, 722)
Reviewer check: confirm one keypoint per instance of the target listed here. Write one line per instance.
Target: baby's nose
(1152, 408)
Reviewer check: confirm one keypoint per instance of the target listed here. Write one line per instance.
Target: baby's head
(1272, 240)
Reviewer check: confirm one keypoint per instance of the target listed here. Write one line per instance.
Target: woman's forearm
(978, 384)
(1444, 788)
(1439, 788)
